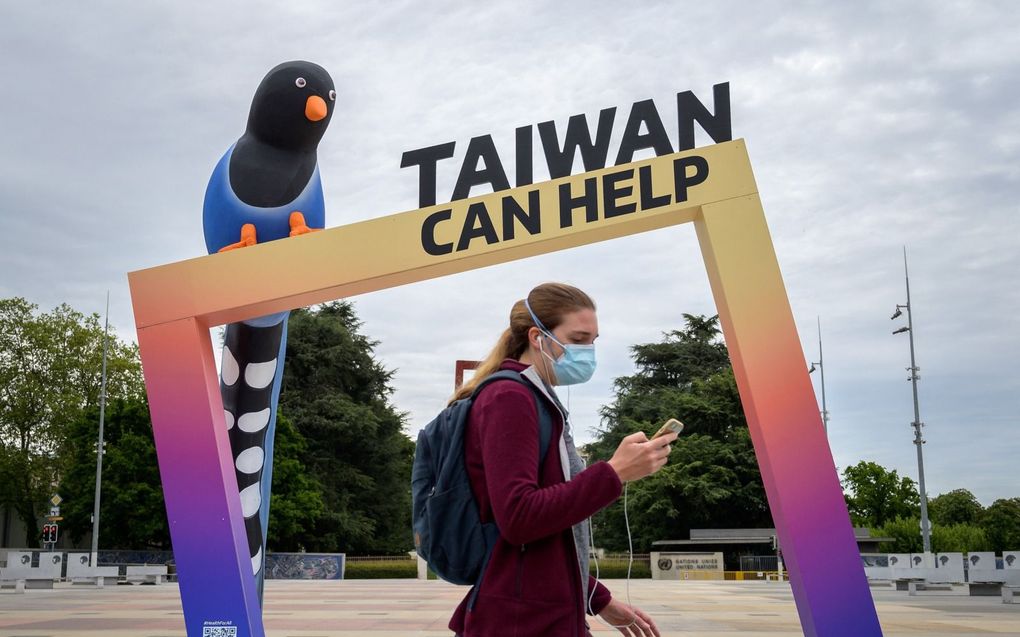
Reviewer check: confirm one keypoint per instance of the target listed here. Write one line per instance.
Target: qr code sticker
(219, 631)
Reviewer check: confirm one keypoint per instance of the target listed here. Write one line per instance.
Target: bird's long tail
(250, 379)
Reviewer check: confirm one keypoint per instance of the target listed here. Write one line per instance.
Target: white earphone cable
(630, 564)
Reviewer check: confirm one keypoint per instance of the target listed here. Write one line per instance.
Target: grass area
(617, 569)
(381, 569)
(408, 569)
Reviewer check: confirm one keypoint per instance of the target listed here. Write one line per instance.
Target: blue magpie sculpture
(265, 187)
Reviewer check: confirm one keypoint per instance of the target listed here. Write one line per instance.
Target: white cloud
(871, 126)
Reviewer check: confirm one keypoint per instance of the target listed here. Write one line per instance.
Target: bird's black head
(292, 106)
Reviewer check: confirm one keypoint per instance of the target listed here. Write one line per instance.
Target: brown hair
(550, 302)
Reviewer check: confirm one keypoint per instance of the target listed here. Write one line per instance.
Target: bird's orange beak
(315, 108)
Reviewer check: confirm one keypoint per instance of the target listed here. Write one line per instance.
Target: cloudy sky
(871, 126)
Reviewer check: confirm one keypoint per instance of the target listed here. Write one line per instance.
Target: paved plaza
(399, 608)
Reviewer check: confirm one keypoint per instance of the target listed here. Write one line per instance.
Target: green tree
(132, 513)
(959, 538)
(712, 479)
(948, 538)
(297, 499)
(338, 397)
(956, 507)
(1001, 522)
(50, 374)
(906, 534)
(875, 495)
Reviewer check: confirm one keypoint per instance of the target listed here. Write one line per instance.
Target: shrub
(959, 538)
(906, 534)
(617, 569)
(408, 569)
(383, 569)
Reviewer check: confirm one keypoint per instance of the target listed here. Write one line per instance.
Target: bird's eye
(332, 95)
(300, 82)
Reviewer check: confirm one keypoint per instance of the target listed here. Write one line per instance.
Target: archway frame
(712, 187)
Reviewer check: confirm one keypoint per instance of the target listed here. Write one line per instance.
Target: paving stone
(402, 608)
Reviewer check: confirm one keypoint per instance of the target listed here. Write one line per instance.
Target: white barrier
(51, 565)
(1011, 560)
(19, 559)
(982, 568)
(80, 572)
(146, 574)
(878, 573)
(979, 568)
(1011, 567)
(948, 569)
(20, 574)
(899, 567)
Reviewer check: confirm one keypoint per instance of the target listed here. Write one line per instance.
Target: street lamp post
(94, 555)
(917, 424)
(821, 367)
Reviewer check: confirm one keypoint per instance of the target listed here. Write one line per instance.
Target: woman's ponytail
(487, 367)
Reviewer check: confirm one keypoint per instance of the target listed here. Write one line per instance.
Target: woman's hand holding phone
(638, 457)
(672, 425)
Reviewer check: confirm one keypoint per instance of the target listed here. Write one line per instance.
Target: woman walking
(536, 583)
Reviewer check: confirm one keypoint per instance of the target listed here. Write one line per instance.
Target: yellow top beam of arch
(388, 251)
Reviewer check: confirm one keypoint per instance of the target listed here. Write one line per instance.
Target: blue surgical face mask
(577, 363)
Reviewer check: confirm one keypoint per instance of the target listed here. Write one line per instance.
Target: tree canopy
(50, 375)
(959, 524)
(341, 462)
(132, 512)
(959, 506)
(876, 495)
(297, 498)
(1001, 521)
(338, 398)
(712, 479)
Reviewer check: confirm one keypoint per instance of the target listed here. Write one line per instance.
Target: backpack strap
(544, 417)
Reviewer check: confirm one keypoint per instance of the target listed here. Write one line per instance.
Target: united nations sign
(676, 565)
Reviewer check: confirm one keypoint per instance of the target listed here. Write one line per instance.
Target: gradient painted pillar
(829, 584)
(199, 485)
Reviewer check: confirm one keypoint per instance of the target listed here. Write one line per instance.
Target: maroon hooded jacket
(532, 585)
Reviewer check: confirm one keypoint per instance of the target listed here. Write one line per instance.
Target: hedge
(383, 569)
(617, 569)
(408, 569)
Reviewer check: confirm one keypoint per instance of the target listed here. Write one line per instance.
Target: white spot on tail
(259, 375)
(251, 500)
(250, 423)
(229, 417)
(229, 370)
(250, 460)
(256, 562)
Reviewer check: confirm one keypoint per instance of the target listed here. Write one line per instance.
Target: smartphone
(672, 426)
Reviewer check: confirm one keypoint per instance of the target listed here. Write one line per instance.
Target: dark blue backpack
(448, 531)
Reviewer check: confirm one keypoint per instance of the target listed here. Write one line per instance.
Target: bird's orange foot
(247, 238)
(298, 225)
